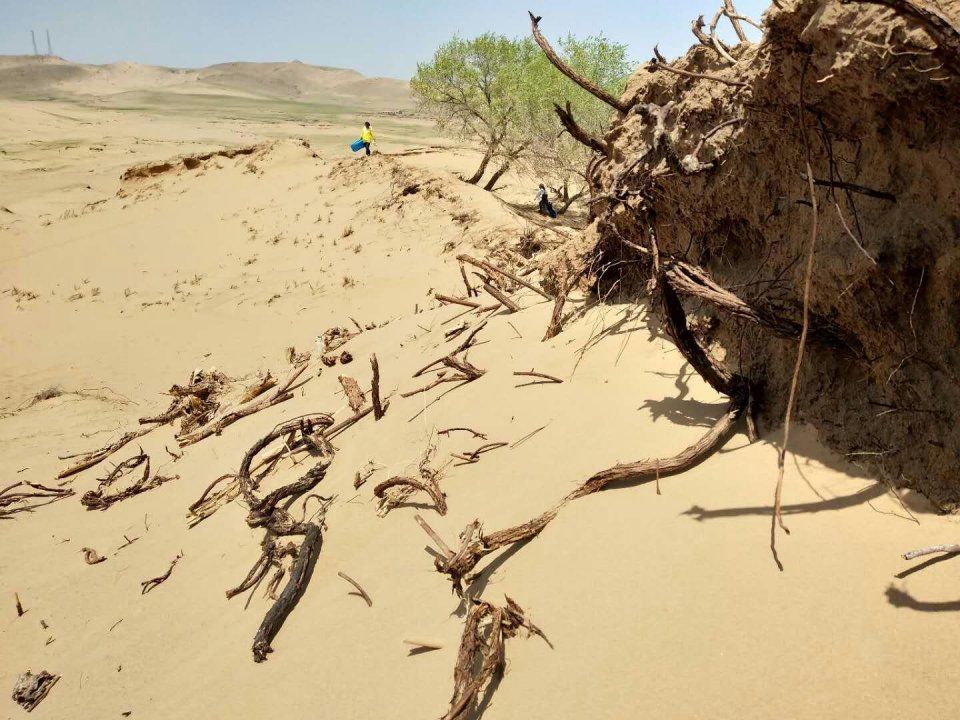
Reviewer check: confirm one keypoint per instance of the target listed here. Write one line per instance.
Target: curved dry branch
(431, 488)
(577, 132)
(560, 65)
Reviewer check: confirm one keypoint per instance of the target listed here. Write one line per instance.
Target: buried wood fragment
(360, 590)
(148, 585)
(378, 408)
(351, 388)
(447, 299)
(423, 643)
(91, 556)
(20, 610)
(31, 689)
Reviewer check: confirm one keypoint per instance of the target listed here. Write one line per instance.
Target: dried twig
(656, 65)
(501, 297)
(931, 550)
(534, 374)
(148, 585)
(363, 593)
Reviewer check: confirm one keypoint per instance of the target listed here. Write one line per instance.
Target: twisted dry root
(481, 654)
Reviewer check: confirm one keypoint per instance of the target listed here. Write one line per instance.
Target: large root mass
(705, 182)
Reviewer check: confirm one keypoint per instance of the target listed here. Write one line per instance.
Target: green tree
(472, 89)
(552, 155)
(500, 93)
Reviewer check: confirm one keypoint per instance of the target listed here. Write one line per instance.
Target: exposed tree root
(14, 500)
(271, 512)
(482, 653)
(217, 425)
(100, 499)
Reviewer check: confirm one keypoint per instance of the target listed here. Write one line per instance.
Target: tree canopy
(499, 92)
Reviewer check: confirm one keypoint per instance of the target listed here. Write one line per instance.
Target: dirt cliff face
(870, 94)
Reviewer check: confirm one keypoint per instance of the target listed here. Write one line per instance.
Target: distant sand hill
(31, 77)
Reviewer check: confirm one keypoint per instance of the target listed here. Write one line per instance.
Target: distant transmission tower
(33, 37)
(49, 46)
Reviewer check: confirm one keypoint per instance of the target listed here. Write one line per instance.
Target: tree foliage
(500, 92)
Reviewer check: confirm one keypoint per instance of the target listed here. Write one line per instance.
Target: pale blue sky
(376, 37)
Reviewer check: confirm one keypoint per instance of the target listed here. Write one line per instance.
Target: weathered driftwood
(501, 297)
(31, 689)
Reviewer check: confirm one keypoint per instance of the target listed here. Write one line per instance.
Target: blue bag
(356, 145)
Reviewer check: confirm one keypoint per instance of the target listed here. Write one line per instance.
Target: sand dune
(664, 605)
(30, 76)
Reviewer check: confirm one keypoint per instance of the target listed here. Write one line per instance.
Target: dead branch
(96, 456)
(482, 652)
(218, 425)
(258, 388)
(100, 499)
(655, 65)
(375, 388)
(495, 270)
(363, 593)
(533, 373)
(560, 65)
(474, 456)
(501, 297)
(148, 585)
(476, 434)
(438, 541)
(931, 550)
(731, 12)
(456, 301)
(292, 592)
(577, 132)
(354, 394)
(13, 500)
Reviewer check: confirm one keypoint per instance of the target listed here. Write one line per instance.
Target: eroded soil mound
(710, 161)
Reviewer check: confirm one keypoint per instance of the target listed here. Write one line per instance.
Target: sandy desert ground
(655, 604)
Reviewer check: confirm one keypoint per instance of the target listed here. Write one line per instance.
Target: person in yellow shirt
(366, 135)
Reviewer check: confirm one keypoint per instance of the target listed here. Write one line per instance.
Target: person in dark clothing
(543, 203)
